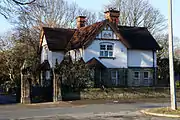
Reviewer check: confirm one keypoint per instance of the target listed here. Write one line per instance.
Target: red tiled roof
(85, 34)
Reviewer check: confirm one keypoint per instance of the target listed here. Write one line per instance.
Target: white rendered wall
(56, 55)
(52, 56)
(44, 50)
(120, 54)
(43, 54)
(141, 58)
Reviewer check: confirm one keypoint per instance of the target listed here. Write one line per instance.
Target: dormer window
(106, 49)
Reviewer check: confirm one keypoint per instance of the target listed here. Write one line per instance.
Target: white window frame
(106, 52)
(144, 75)
(146, 79)
(136, 79)
(138, 75)
(114, 79)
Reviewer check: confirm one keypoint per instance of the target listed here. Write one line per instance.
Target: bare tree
(139, 13)
(8, 6)
(54, 13)
(22, 2)
(47, 13)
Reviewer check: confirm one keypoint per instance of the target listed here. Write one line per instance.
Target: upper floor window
(106, 49)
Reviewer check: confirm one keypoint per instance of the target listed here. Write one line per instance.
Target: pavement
(71, 111)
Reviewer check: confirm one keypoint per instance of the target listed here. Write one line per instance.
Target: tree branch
(25, 3)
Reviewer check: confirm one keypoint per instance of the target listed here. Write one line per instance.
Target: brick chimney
(80, 21)
(112, 15)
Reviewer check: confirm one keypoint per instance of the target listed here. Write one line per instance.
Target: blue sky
(97, 5)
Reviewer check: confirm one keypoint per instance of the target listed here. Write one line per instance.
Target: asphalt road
(107, 111)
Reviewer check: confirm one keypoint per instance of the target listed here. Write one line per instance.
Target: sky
(97, 5)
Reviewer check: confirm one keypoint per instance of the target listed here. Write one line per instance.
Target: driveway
(106, 111)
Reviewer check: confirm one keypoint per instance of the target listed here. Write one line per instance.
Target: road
(106, 111)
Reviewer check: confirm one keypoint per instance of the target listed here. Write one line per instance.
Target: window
(146, 78)
(136, 81)
(146, 75)
(136, 75)
(106, 49)
(114, 77)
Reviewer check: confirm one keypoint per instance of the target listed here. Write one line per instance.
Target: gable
(57, 38)
(107, 33)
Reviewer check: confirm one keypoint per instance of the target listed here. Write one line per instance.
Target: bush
(74, 74)
(178, 84)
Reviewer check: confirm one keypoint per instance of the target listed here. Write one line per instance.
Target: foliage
(163, 59)
(133, 94)
(74, 74)
(12, 59)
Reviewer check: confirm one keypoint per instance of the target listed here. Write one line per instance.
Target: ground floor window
(136, 78)
(141, 78)
(146, 76)
(114, 77)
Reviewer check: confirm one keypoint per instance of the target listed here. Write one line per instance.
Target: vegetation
(75, 74)
(167, 110)
(132, 94)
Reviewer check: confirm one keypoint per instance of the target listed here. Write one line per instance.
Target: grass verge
(167, 110)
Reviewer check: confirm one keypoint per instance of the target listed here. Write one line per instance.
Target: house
(119, 55)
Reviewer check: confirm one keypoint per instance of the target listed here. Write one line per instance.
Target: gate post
(56, 87)
(25, 84)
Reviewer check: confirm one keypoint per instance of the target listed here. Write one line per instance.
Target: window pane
(102, 47)
(113, 74)
(146, 75)
(106, 53)
(101, 53)
(110, 53)
(109, 47)
(136, 74)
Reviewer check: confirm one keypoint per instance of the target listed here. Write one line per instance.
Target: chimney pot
(112, 15)
(80, 20)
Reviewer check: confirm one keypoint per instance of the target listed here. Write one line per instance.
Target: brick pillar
(56, 87)
(25, 85)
